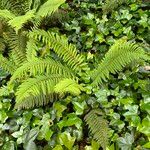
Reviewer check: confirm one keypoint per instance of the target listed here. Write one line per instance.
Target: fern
(36, 91)
(17, 7)
(27, 13)
(6, 14)
(49, 7)
(7, 64)
(31, 49)
(41, 66)
(119, 55)
(18, 22)
(98, 127)
(17, 45)
(68, 86)
(61, 47)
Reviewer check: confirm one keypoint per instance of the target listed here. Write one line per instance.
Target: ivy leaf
(79, 107)
(145, 107)
(59, 108)
(125, 14)
(31, 146)
(58, 147)
(147, 145)
(144, 127)
(3, 116)
(9, 146)
(66, 140)
(70, 120)
(144, 20)
(126, 142)
(29, 140)
(45, 132)
(95, 145)
(133, 110)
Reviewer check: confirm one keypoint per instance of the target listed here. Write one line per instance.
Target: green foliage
(111, 5)
(33, 61)
(29, 15)
(6, 14)
(36, 91)
(68, 86)
(7, 65)
(49, 7)
(67, 52)
(98, 127)
(18, 22)
(41, 66)
(119, 55)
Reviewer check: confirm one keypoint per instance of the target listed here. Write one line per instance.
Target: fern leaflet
(68, 86)
(49, 7)
(41, 66)
(98, 127)
(36, 91)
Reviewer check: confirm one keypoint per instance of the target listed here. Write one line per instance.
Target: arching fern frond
(7, 65)
(68, 86)
(18, 22)
(31, 50)
(4, 91)
(41, 66)
(15, 6)
(17, 45)
(49, 7)
(61, 47)
(36, 91)
(119, 55)
(6, 14)
(98, 127)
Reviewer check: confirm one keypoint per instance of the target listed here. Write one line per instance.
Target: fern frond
(4, 91)
(67, 52)
(111, 5)
(119, 55)
(31, 50)
(48, 8)
(17, 45)
(18, 22)
(6, 14)
(7, 65)
(15, 6)
(2, 45)
(98, 127)
(36, 91)
(68, 86)
(41, 66)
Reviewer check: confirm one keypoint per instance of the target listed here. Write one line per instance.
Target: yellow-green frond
(98, 127)
(36, 91)
(17, 45)
(6, 14)
(119, 55)
(67, 52)
(18, 22)
(7, 65)
(68, 86)
(49, 7)
(17, 7)
(41, 66)
(31, 50)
